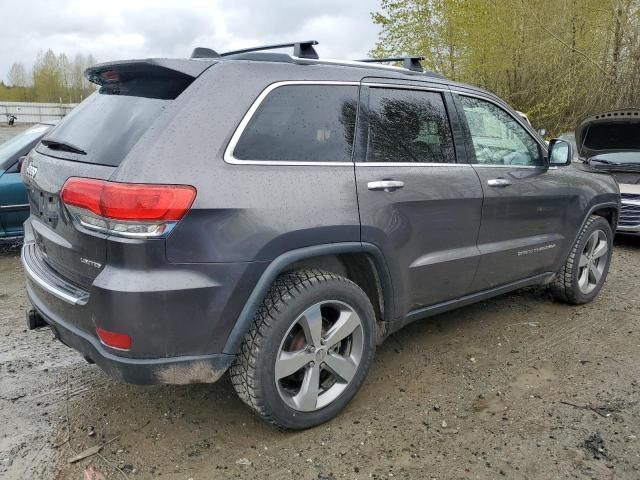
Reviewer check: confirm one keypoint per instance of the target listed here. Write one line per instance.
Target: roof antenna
(203, 52)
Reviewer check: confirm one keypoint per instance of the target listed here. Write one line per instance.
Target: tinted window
(303, 123)
(498, 139)
(408, 126)
(110, 122)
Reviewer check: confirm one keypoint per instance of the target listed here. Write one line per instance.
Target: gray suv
(278, 216)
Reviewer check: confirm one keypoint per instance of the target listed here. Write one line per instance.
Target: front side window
(408, 126)
(498, 139)
(302, 123)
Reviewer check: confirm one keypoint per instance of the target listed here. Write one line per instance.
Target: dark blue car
(14, 206)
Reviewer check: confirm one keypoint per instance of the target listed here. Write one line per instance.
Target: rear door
(92, 142)
(525, 202)
(417, 203)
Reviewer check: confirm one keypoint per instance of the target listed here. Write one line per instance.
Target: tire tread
(562, 287)
(243, 371)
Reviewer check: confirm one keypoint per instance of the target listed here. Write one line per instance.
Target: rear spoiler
(112, 72)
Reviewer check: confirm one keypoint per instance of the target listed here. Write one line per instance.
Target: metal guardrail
(31, 112)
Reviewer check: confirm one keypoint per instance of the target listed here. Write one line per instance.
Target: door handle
(385, 185)
(498, 182)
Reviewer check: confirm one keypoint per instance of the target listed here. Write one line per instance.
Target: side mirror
(560, 153)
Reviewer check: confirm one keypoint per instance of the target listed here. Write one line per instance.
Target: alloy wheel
(319, 355)
(593, 261)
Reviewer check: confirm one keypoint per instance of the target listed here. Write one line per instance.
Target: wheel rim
(319, 355)
(593, 261)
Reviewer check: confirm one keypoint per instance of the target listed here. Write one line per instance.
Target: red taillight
(110, 76)
(127, 209)
(120, 341)
(83, 193)
(129, 201)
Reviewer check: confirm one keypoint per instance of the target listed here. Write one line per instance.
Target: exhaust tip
(34, 320)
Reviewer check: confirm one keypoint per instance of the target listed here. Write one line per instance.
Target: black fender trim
(277, 266)
(593, 208)
(614, 205)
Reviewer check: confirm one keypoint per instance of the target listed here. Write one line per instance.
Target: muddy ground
(515, 387)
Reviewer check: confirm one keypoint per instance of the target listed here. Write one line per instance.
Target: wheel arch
(608, 210)
(362, 263)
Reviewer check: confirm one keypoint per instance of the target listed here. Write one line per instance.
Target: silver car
(610, 141)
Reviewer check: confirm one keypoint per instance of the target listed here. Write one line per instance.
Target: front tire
(308, 349)
(585, 271)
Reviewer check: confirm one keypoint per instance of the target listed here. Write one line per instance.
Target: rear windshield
(108, 124)
(613, 136)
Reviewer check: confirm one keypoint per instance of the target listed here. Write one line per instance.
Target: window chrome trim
(235, 138)
(402, 86)
(489, 165)
(411, 164)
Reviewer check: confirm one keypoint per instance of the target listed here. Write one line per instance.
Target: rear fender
(280, 264)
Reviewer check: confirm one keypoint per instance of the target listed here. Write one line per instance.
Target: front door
(525, 202)
(417, 203)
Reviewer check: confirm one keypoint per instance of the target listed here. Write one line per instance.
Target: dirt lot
(515, 387)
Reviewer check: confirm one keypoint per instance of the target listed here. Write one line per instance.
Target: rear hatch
(92, 142)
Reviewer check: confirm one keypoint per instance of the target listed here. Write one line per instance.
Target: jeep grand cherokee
(280, 215)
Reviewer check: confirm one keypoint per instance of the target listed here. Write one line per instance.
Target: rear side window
(408, 126)
(108, 124)
(302, 123)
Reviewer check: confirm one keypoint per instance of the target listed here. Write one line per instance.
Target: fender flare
(280, 263)
(593, 208)
(598, 206)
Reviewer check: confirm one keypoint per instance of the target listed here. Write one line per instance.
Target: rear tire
(585, 271)
(307, 351)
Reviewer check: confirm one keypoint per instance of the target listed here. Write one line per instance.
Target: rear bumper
(175, 370)
(179, 316)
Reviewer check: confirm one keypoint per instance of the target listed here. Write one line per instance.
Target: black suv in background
(279, 215)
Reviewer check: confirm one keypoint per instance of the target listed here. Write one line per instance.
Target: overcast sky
(119, 29)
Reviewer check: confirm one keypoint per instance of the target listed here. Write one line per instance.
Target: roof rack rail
(410, 63)
(300, 49)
